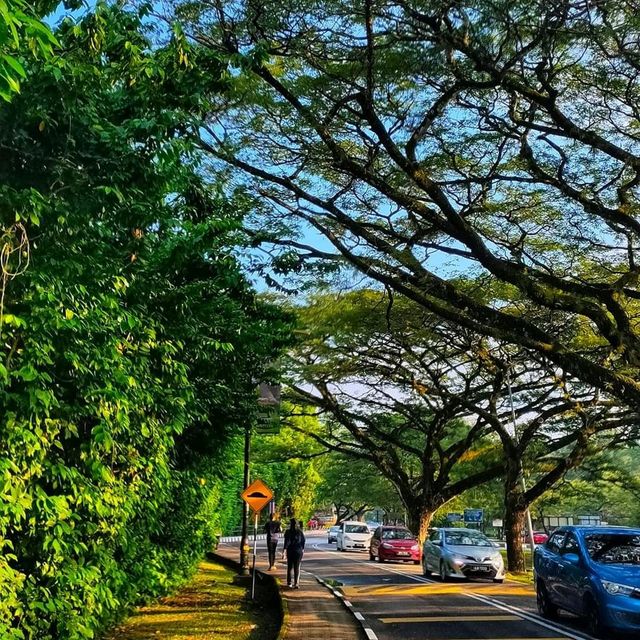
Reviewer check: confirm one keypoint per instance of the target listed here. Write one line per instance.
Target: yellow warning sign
(257, 495)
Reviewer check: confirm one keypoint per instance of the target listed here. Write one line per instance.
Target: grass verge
(216, 604)
(523, 578)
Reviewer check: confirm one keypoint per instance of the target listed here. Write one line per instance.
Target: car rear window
(356, 528)
(397, 534)
(613, 548)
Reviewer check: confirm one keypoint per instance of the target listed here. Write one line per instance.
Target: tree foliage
(129, 341)
(421, 138)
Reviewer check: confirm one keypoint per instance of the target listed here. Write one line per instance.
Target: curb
(285, 616)
(369, 632)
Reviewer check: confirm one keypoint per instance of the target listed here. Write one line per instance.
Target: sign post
(257, 495)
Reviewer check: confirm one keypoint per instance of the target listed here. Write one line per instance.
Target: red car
(539, 537)
(394, 543)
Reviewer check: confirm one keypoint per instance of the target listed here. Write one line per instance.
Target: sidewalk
(311, 612)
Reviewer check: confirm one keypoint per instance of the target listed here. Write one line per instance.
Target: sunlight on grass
(210, 606)
(523, 578)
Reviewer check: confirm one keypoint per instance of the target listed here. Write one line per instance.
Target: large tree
(499, 135)
(439, 410)
(366, 374)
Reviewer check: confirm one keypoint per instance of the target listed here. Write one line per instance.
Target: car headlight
(415, 547)
(386, 545)
(457, 561)
(616, 589)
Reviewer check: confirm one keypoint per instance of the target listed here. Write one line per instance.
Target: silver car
(332, 534)
(461, 553)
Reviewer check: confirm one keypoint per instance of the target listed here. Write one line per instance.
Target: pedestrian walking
(294, 548)
(272, 529)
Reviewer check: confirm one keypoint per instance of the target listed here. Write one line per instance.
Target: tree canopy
(425, 138)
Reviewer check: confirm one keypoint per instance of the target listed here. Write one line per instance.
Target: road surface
(398, 603)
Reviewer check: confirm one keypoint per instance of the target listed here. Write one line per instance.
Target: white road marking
(370, 634)
(560, 628)
(532, 617)
(358, 616)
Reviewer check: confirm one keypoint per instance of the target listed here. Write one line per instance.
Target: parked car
(539, 537)
(461, 553)
(394, 543)
(592, 572)
(332, 533)
(353, 535)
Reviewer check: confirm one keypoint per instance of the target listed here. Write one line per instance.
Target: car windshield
(397, 534)
(355, 528)
(466, 539)
(614, 548)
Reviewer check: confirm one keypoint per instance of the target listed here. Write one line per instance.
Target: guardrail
(237, 538)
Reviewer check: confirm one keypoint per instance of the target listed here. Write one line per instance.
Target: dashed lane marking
(555, 627)
(568, 633)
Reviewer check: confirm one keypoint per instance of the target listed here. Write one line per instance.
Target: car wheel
(380, 558)
(546, 608)
(443, 572)
(498, 580)
(371, 556)
(595, 624)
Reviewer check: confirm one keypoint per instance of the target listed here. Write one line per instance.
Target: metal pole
(255, 544)
(524, 484)
(244, 540)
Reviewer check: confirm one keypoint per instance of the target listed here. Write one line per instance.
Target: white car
(354, 536)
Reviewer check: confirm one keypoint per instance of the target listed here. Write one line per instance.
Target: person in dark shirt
(272, 529)
(294, 547)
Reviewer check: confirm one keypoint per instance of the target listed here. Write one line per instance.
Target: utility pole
(244, 540)
(268, 398)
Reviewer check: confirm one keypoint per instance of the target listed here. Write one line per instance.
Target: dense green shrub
(129, 338)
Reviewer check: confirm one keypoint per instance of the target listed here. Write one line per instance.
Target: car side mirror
(572, 558)
(438, 543)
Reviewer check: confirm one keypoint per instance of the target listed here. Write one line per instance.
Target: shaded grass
(215, 604)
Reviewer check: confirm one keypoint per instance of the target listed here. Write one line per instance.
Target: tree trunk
(514, 517)
(420, 521)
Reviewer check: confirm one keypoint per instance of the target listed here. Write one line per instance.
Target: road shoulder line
(369, 632)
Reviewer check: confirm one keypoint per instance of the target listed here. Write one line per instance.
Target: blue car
(593, 572)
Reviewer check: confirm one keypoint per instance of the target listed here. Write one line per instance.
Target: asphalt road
(398, 603)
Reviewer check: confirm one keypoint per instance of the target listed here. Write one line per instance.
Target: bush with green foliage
(129, 336)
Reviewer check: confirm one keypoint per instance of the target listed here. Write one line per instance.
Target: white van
(353, 535)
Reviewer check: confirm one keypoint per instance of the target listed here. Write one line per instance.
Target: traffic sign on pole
(257, 495)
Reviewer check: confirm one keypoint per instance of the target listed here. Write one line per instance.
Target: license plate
(360, 546)
(481, 567)
(403, 553)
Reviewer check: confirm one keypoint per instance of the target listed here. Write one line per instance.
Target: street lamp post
(244, 539)
(268, 397)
